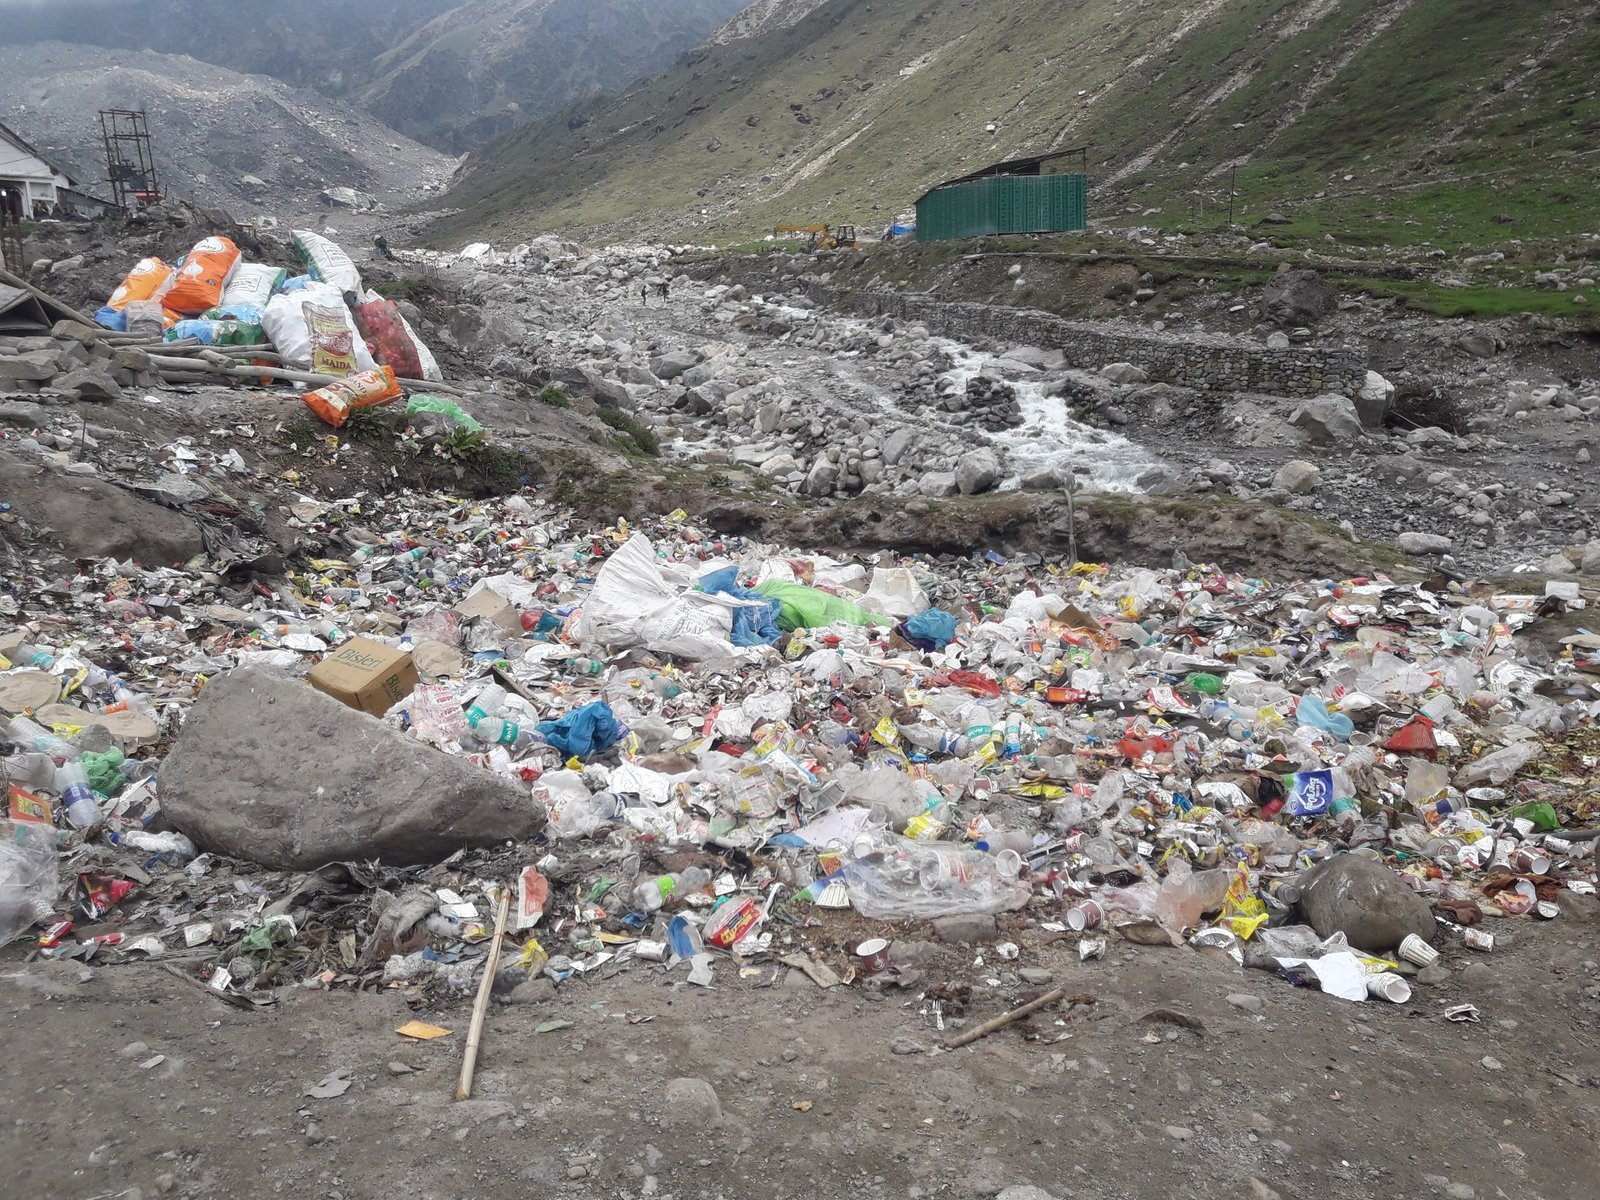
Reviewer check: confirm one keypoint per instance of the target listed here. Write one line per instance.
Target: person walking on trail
(666, 287)
(644, 294)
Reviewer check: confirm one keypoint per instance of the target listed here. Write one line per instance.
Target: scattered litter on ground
(705, 753)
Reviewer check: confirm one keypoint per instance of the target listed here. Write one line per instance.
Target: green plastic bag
(444, 408)
(104, 770)
(808, 608)
(1542, 815)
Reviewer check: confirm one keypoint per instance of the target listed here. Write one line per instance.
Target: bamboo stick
(481, 1007)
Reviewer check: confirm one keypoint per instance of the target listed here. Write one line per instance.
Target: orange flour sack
(202, 276)
(335, 402)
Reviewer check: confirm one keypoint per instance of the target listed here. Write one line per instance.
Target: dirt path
(1185, 1076)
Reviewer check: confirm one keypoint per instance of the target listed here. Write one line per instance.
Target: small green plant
(370, 424)
(463, 443)
(643, 436)
(555, 397)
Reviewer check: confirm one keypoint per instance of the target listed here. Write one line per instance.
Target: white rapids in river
(1050, 438)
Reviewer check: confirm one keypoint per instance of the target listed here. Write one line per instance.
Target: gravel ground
(1176, 1073)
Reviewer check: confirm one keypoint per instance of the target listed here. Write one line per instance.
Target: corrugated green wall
(1005, 204)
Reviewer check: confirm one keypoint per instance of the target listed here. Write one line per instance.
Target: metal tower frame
(130, 162)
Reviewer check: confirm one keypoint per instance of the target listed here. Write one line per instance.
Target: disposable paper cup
(1531, 862)
(873, 955)
(1415, 950)
(1390, 987)
(1008, 863)
(1087, 915)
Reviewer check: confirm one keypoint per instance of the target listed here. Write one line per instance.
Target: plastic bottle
(996, 841)
(934, 740)
(652, 894)
(494, 730)
(1013, 742)
(27, 732)
(28, 655)
(72, 785)
(586, 666)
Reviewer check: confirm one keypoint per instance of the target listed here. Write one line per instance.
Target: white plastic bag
(28, 878)
(574, 811)
(313, 330)
(325, 260)
(634, 604)
(252, 285)
(895, 593)
(923, 880)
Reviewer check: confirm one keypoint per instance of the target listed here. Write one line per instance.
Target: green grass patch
(555, 397)
(642, 437)
(1483, 302)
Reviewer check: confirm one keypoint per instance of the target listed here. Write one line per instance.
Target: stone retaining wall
(1205, 362)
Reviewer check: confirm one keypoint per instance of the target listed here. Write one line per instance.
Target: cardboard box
(366, 675)
(496, 607)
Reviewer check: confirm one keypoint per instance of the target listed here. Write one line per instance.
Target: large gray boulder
(979, 472)
(269, 770)
(1328, 420)
(1297, 477)
(674, 363)
(1297, 298)
(1418, 543)
(1367, 902)
(1122, 372)
(1373, 401)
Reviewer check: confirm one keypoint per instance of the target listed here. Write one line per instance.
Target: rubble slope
(211, 128)
(450, 74)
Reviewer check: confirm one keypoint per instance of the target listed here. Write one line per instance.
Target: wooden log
(1004, 1019)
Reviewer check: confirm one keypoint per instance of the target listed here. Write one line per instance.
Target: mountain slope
(484, 67)
(307, 43)
(1471, 105)
(210, 127)
(451, 73)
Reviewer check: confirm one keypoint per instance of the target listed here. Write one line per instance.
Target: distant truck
(821, 237)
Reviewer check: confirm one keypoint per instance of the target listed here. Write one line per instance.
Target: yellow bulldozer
(821, 237)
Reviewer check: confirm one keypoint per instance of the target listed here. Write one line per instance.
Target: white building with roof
(31, 187)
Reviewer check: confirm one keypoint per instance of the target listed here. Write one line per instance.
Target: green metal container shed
(1004, 204)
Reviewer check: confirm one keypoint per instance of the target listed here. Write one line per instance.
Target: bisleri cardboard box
(366, 675)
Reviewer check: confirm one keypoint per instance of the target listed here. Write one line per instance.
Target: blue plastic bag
(756, 625)
(112, 318)
(1313, 711)
(584, 732)
(931, 629)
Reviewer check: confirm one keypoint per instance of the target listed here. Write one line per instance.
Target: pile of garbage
(673, 749)
(214, 315)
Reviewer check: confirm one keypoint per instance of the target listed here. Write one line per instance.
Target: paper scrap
(422, 1031)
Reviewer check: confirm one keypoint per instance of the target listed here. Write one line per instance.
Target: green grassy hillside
(1475, 119)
